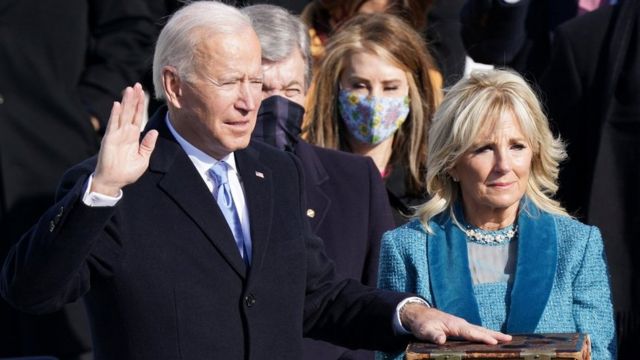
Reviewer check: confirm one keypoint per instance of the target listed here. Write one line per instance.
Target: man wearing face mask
(347, 201)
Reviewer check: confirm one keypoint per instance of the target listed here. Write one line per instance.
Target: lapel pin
(311, 213)
(259, 174)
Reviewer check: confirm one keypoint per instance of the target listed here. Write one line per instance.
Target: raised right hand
(123, 158)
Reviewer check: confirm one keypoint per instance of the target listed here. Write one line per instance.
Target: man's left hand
(435, 326)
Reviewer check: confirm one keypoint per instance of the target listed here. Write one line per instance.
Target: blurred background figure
(592, 88)
(373, 95)
(444, 40)
(324, 16)
(346, 198)
(492, 245)
(517, 33)
(293, 6)
(63, 63)
(436, 20)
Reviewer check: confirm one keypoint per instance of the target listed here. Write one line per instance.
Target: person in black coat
(514, 33)
(592, 88)
(346, 198)
(63, 63)
(174, 262)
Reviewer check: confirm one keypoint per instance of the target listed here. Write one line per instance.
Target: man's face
(216, 109)
(285, 78)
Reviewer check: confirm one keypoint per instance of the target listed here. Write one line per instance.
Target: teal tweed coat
(561, 283)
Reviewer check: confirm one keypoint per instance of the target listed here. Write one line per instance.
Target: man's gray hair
(280, 32)
(189, 26)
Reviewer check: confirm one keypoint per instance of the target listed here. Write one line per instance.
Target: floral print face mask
(373, 119)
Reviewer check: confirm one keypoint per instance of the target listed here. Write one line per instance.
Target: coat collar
(450, 277)
(183, 184)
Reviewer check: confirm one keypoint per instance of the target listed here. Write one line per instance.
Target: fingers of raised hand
(141, 106)
(148, 143)
(132, 105)
(114, 118)
(129, 111)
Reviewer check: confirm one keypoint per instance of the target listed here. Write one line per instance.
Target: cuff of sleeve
(95, 199)
(397, 323)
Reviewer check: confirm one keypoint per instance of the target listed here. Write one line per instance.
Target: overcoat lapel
(184, 185)
(535, 268)
(315, 177)
(257, 181)
(451, 283)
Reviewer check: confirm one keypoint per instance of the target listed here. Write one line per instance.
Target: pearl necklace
(488, 237)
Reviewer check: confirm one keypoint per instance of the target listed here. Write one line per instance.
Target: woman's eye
(482, 149)
(519, 146)
(391, 88)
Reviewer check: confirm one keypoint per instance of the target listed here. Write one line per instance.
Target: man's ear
(172, 85)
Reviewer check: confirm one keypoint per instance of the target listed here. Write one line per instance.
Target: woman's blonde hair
(394, 41)
(467, 109)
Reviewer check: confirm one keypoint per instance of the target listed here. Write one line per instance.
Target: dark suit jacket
(592, 89)
(163, 278)
(348, 209)
(60, 62)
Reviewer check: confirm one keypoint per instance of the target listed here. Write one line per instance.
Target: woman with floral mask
(373, 96)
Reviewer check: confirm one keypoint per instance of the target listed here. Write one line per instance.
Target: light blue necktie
(222, 193)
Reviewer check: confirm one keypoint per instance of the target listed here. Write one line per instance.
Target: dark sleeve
(380, 220)
(122, 34)
(493, 31)
(561, 83)
(444, 40)
(345, 313)
(49, 266)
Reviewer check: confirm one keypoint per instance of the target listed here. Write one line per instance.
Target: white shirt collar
(200, 160)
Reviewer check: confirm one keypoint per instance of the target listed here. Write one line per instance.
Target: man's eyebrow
(293, 82)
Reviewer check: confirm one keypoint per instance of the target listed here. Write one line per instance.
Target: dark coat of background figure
(166, 278)
(517, 36)
(294, 6)
(403, 201)
(592, 89)
(444, 39)
(60, 63)
(335, 181)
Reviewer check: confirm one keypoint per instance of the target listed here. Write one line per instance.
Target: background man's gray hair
(185, 30)
(280, 32)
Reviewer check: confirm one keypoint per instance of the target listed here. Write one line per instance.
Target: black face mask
(278, 124)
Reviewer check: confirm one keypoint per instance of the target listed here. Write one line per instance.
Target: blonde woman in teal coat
(492, 245)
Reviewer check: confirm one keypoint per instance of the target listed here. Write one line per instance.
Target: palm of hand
(123, 158)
